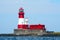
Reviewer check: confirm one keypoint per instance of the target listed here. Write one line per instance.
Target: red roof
(21, 8)
(42, 27)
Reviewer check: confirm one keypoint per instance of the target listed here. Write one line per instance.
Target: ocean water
(29, 38)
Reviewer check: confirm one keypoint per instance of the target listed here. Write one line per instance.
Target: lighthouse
(24, 28)
(22, 23)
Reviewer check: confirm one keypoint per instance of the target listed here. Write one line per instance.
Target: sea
(29, 37)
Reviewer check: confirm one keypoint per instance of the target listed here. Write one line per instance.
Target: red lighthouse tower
(22, 23)
(21, 13)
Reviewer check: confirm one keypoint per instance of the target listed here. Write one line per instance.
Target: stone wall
(28, 31)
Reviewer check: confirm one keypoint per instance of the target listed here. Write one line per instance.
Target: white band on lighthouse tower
(21, 21)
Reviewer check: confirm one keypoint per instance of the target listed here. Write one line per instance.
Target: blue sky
(37, 11)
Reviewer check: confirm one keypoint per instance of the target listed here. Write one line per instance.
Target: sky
(45, 12)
